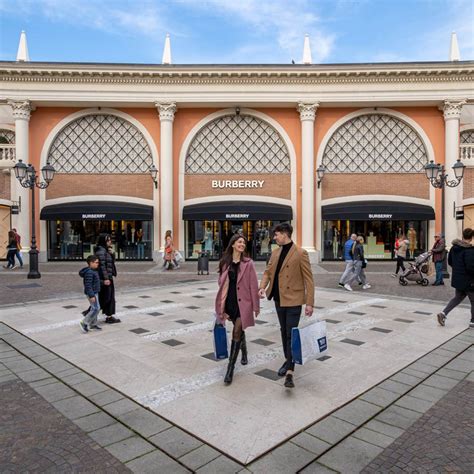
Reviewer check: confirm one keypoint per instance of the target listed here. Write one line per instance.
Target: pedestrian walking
(107, 273)
(401, 254)
(288, 280)
(91, 283)
(360, 263)
(18, 248)
(349, 270)
(438, 252)
(11, 251)
(169, 255)
(237, 298)
(461, 259)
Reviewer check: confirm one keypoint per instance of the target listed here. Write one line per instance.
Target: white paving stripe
(192, 384)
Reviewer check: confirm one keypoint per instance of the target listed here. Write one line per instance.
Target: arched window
(100, 144)
(375, 143)
(237, 144)
(7, 137)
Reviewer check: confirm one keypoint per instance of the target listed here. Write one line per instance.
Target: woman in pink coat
(237, 298)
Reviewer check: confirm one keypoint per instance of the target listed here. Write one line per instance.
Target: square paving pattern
(171, 368)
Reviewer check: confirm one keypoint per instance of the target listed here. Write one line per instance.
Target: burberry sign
(237, 183)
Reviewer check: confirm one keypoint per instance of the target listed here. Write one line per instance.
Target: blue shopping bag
(220, 342)
(308, 342)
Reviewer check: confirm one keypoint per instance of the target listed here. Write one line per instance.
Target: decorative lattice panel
(7, 136)
(100, 144)
(237, 144)
(375, 143)
(467, 136)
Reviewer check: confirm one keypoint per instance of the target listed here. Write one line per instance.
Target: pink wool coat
(247, 293)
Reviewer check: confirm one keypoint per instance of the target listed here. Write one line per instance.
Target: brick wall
(340, 184)
(468, 183)
(275, 185)
(5, 186)
(134, 185)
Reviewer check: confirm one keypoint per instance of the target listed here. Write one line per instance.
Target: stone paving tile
(310, 443)
(379, 396)
(76, 378)
(316, 468)
(398, 416)
(37, 438)
(120, 407)
(460, 365)
(90, 387)
(416, 373)
(54, 392)
(175, 442)
(94, 422)
(8, 378)
(199, 457)
(438, 381)
(452, 374)
(221, 465)
(75, 407)
(415, 404)
(286, 458)
(154, 463)
(130, 448)
(351, 455)
(144, 422)
(440, 441)
(111, 434)
(40, 383)
(373, 437)
(331, 429)
(104, 398)
(406, 379)
(34, 375)
(425, 392)
(387, 430)
(357, 412)
(56, 366)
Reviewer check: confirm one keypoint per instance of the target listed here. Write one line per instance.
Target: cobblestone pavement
(442, 440)
(35, 437)
(60, 280)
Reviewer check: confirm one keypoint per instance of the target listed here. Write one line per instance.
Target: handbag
(364, 263)
(220, 341)
(308, 342)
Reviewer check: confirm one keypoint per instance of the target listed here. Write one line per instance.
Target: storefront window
(379, 235)
(75, 240)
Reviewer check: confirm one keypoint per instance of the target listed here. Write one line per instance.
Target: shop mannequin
(208, 240)
(335, 243)
(411, 234)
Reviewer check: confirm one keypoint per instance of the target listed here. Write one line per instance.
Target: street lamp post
(438, 178)
(27, 177)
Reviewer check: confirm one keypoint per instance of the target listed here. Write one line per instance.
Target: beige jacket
(296, 282)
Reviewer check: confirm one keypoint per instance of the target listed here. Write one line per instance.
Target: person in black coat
(461, 259)
(107, 272)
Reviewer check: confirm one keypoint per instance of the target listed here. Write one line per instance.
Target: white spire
(22, 54)
(454, 48)
(167, 51)
(307, 51)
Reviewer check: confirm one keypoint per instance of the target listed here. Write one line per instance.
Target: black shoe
(234, 352)
(112, 320)
(282, 370)
(341, 285)
(289, 381)
(83, 327)
(96, 327)
(243, 348)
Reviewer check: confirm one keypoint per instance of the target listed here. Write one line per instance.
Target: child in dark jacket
(91, 289)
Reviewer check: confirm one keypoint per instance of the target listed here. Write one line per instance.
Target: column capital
(166, 110)
(307, 111)
(21, 109)
(452, 109)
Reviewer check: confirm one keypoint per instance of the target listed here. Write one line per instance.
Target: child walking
(91, 289)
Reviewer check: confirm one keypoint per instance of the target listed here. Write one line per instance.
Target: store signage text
(380, 216)
(93, 216)
(237, 216)
(237, 183)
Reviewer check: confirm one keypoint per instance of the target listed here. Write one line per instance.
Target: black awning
(378, 210)
(97, 210)
(237, 210)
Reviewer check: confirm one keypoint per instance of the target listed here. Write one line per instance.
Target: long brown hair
(226, 259)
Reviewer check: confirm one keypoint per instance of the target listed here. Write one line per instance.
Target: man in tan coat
(288, 280)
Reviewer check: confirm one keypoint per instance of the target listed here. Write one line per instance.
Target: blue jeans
(289, 318)
(11, 258)
(141, 250)
(439, 273)
(18, 256)
(91, 317)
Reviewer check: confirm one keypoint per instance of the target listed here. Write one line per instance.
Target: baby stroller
(417, 271)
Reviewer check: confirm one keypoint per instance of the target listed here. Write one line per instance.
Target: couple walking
(355, 264)
(288, 280)
(13, 250)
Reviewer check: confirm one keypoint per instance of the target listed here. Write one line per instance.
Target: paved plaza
(149, 394)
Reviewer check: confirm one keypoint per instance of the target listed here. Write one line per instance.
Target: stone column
(452, 114)
(307, 117)
(166, 111)
(21, 113)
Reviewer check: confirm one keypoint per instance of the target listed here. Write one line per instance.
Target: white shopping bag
(309, 342)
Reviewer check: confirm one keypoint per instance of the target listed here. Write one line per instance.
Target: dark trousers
(11, 258)
(458, 298)
(439, 272)
(289, 318)
(107, 298)
(400, 264)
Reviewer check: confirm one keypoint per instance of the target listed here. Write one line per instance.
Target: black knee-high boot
(234, 352)
(243, 348)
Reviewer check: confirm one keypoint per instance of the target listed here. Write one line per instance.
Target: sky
(236, 31)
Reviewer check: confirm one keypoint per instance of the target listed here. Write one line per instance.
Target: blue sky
(236, 31)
